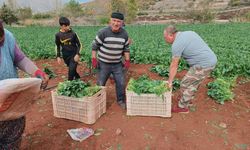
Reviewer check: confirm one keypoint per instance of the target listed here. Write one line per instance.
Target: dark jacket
(67, 43)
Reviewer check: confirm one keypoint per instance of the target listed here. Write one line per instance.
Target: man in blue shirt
(201, 59)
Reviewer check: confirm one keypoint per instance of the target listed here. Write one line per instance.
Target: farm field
(209, 125)
(229, 41)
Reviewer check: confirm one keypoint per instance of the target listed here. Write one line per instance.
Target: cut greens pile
(77, 88)
(220, 89)
(49, 71)
(146, 86)
(162, 70)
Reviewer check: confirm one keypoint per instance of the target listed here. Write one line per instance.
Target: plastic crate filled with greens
(144, 85)
(77, 89)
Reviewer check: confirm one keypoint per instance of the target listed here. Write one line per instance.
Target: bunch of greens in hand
(49, 71)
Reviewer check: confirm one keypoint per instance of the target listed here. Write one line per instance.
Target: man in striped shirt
(109, 46)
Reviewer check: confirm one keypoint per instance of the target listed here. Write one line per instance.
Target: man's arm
(58, 46)
(126, 56)
(173, 69)
(22, 62)
(78, 43)
(58, 49)
(97, 43)
(26, 65)
(93, 54)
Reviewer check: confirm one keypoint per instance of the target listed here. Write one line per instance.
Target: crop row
(229, 41)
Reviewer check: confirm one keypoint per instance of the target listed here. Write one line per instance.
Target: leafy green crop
(176, 84)
(49, 72)
(145, 85)
(162, 70)
(76, 88)
(220, 89)
(231, 49)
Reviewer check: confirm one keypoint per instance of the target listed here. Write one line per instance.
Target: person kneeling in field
(69, 44)
(11, 57)
(201, 59)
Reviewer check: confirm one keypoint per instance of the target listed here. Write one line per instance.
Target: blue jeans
(116, 69)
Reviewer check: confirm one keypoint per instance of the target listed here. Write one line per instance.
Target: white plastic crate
(148, 104)
(85, 109)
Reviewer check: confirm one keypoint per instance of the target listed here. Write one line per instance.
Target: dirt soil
(209, 126)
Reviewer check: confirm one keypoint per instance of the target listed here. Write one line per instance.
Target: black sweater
(68, 43)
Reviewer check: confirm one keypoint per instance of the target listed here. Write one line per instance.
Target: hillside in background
(38, 6)
(96, 12)
(176, 5)
(158, 10)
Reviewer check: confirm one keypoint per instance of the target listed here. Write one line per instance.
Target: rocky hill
(155, 6)
(149, 11)
(177, 5)
(182, 5)
(175, 10)
(38, 6)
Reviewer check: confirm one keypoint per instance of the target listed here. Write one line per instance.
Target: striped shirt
(111, 45)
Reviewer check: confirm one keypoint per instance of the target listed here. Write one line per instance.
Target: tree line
(73, 8)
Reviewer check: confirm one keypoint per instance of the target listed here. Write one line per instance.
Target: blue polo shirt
(193, 49)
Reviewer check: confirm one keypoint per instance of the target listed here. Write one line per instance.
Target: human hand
(94, 63)
(130, 41)
(45, 79)
(59, 60)
(169, 84)
(127, 64)
(77, 58)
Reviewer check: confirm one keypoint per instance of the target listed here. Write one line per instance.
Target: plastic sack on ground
(17, 94)
(80, 134)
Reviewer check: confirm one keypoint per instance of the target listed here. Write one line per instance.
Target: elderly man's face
(116, 24)
(169, 38)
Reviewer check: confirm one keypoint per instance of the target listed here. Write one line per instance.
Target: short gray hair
(171, 29)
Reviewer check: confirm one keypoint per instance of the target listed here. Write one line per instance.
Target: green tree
(118, 6)
(200, 12)
(131, 10)
(11, 4)
(73, 8)
(24, 13)
(7, 15)
(235, 2)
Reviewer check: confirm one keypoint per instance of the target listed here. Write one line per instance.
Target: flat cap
(117, 15)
